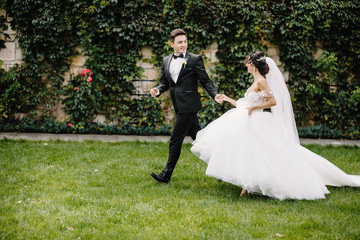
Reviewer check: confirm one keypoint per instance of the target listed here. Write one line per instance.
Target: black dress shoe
(160, 177)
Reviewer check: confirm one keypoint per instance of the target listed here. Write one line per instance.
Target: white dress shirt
(175, 67)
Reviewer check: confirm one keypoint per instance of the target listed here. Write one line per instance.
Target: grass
(97, 190)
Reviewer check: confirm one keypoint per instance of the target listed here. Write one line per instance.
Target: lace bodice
(252, 99)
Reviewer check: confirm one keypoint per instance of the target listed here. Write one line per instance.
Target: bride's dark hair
(258, 60)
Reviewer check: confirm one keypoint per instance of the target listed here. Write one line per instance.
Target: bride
(260, 151)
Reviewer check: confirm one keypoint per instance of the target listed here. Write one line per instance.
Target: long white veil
(282, 111)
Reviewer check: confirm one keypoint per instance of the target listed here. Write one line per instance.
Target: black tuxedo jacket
(184, 93)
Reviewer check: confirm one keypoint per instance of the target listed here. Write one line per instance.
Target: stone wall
(12, 55)
(151, 73)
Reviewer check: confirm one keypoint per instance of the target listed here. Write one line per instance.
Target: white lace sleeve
(266, 93)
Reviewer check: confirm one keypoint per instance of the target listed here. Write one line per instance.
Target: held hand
(154, 92)
(219, 98)
(226, 98)
(250, 110)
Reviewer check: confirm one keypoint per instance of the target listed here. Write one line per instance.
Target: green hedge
(325, 90)
(52, 126)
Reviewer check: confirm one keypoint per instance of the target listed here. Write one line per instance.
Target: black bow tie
(180, 56)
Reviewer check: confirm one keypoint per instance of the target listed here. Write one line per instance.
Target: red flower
(75, 88)
(69, 125)
(85, 71)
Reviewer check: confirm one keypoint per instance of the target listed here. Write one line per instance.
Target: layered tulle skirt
(251, 152)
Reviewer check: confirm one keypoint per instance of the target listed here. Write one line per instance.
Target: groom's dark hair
(175, 33)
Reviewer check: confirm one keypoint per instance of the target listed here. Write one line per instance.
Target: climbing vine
(325, 86)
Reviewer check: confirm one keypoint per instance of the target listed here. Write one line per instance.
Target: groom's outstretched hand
(219, 98)
(154, 92)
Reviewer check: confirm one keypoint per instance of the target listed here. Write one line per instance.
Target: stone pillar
(151, 73)
(274, 53)
(211, 59)
(77, 63)
(11, 54)
(319, 50)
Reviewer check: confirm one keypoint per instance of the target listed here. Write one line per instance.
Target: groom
(181, 72)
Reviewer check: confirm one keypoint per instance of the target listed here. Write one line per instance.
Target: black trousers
(186, 123)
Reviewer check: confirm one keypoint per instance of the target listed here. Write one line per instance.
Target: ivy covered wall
(324, 84)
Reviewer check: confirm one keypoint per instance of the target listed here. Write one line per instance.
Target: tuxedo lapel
(183, 66)
(167, 67)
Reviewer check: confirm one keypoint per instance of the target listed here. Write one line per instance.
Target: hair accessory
(261, 59)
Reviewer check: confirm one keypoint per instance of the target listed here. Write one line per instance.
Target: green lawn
(97, 190)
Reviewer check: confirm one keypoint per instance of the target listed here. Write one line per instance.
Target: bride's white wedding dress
(255, 152)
